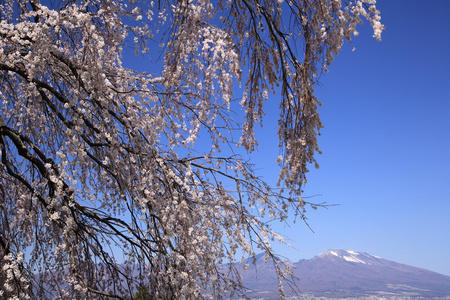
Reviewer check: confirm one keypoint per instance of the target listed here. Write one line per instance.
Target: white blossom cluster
(105, 180)
(15, 283)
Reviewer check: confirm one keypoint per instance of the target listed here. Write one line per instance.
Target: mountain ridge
(348, 274)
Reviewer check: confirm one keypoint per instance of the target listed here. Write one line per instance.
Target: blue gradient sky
(386, 144)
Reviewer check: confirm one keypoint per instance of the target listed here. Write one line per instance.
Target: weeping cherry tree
(114, 180)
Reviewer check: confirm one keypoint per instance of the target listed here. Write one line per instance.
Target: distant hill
(347, 274)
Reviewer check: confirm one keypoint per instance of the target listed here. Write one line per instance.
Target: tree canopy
(104, 187)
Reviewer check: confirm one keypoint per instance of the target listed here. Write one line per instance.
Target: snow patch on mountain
(333, 253)
(354, 259)
(348, 255)
(352, 252)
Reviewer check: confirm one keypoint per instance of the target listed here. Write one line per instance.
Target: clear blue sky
(386, 143)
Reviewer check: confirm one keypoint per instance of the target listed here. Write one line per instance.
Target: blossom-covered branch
(106, 185)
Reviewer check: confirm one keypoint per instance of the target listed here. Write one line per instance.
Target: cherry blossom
(106, 185)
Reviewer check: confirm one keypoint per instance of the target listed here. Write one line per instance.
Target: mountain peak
(349, 255)
(336, 252)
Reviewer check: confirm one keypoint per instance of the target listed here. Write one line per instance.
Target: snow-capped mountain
(346, 273)
(350, 255)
